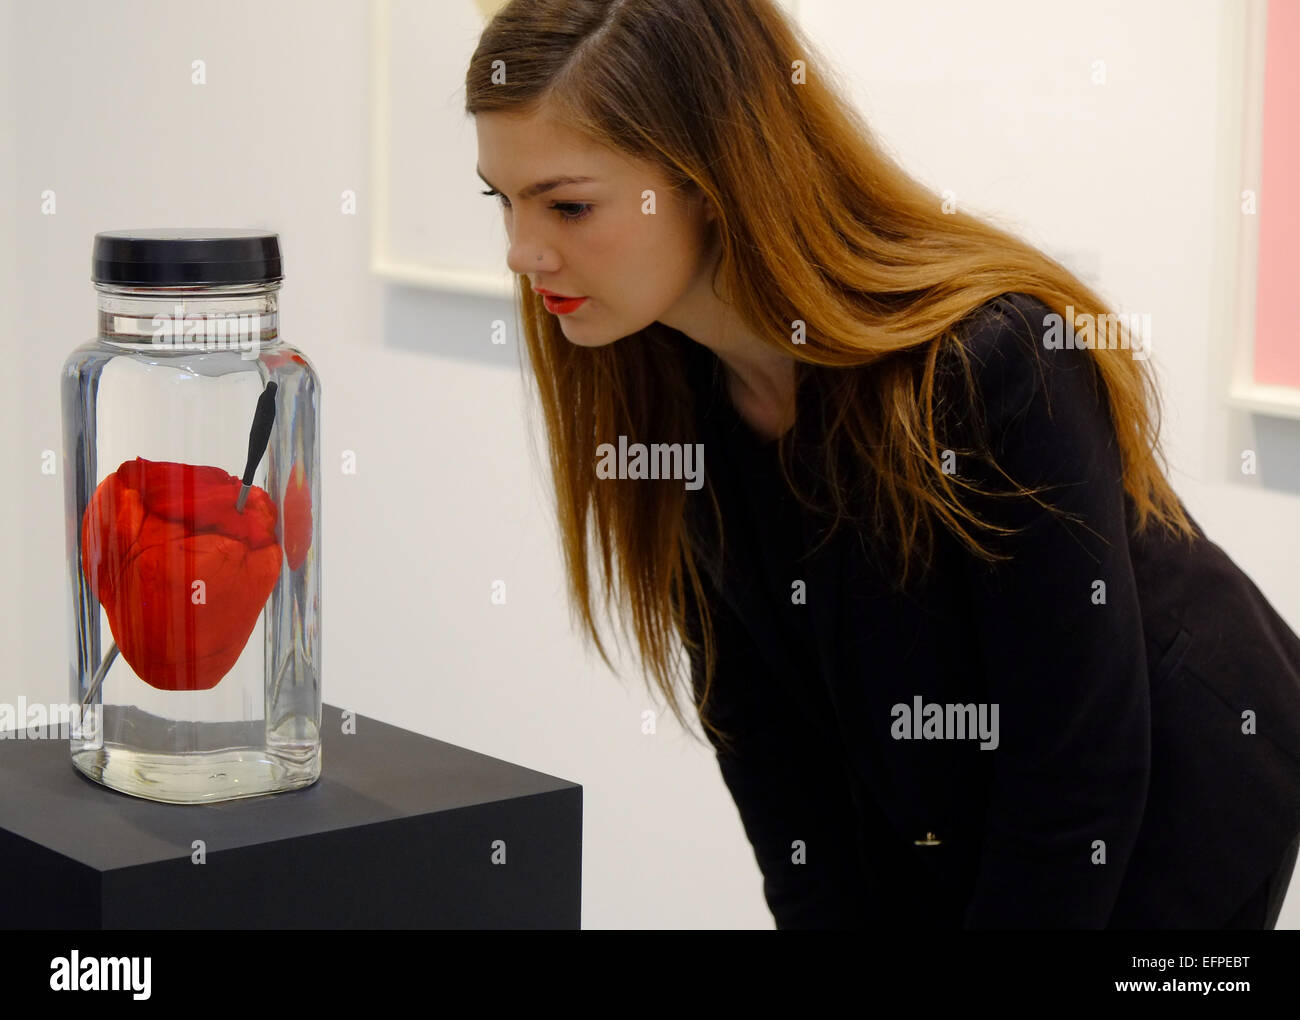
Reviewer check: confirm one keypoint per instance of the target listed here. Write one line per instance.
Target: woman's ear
(702, 204)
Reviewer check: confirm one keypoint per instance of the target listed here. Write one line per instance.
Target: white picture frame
(1242, 148)
(404, 244)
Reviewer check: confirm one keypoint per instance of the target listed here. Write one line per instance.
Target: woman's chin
(581, 337)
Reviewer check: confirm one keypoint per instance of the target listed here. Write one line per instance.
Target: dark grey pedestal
(401, 831)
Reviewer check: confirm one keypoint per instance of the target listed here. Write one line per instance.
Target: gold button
(930, 840)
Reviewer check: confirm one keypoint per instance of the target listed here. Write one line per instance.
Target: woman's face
(600, 239)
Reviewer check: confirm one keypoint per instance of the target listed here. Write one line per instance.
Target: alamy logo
(658, 460)
(936, 721)
(101, 974)
(209, 331)
(1099, 331)
(55, 721)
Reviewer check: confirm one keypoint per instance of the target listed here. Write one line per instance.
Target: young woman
(963, 656)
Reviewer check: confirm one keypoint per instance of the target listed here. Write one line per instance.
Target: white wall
(447, 497)
(13, 442)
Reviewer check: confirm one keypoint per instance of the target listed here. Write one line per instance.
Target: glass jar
(192, 493)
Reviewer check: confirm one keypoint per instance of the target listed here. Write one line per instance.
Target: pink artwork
(1277, 286)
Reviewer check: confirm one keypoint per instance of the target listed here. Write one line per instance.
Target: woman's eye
(582, 209)
(569, 211)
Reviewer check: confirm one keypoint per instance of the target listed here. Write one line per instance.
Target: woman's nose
(526, 252)
(521, 263)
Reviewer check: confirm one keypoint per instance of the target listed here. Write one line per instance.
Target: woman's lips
(562, 306)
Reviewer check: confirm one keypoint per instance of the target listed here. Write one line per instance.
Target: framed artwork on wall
(1266, 354)
(429, 227)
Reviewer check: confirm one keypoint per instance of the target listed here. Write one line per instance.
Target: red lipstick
(559, 304)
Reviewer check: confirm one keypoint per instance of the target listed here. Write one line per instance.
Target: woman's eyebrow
(541, 187)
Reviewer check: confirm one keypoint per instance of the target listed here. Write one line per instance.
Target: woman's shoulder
(1008, 342)
(1006, 327)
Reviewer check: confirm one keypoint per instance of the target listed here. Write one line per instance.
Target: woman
(963, 655)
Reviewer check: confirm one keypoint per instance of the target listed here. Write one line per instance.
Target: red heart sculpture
(151, 530)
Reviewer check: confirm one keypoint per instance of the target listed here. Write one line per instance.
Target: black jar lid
(170, 257)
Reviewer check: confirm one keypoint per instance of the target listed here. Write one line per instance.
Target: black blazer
(1147, 768)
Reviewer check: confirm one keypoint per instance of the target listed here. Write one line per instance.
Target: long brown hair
(817, 223)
